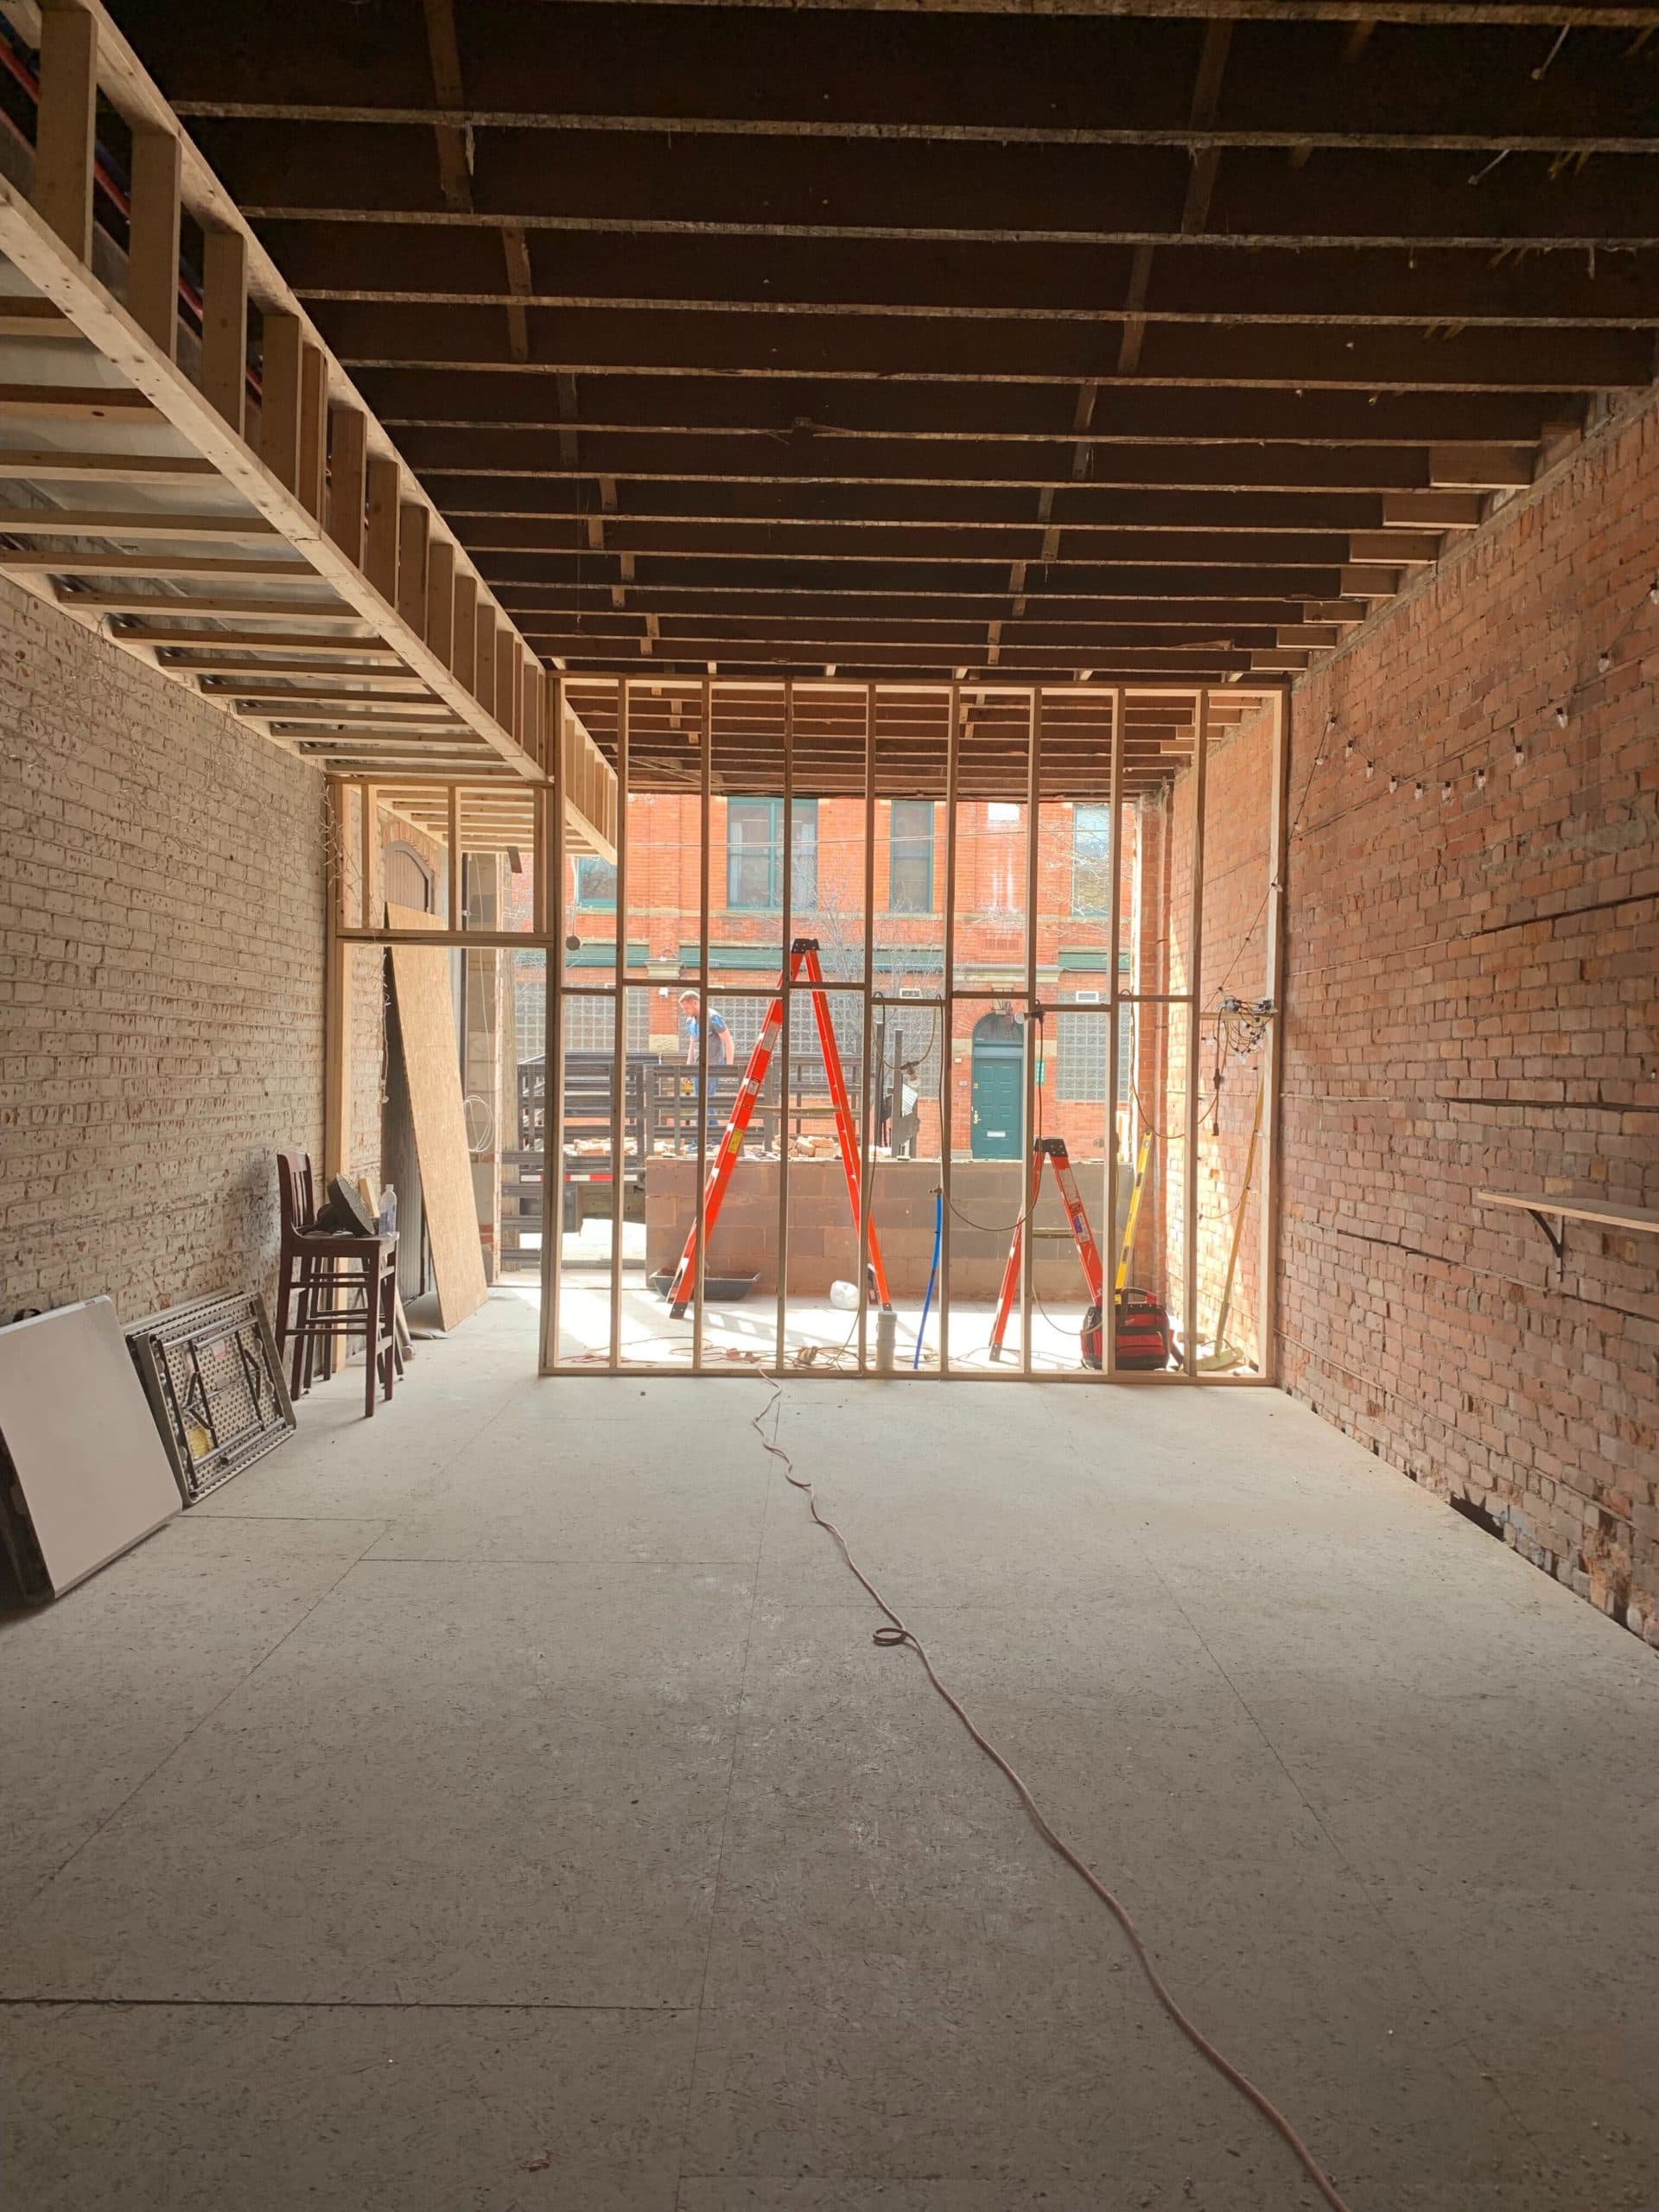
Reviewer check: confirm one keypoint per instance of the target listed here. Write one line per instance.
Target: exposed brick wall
(1471, 1001)
(162, 943)
(1232, 964)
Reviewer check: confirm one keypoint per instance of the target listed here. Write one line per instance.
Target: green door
(998, 1084)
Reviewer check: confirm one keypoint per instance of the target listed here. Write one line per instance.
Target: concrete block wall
(161, 963)
(1473, 1001)
(824, 1243)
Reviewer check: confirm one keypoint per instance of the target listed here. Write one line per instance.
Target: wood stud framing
(152, 243)
(66, 126)
(319, 499)
(225, 324)
(460, 815)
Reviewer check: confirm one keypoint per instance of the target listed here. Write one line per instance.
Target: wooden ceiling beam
(995, 71)
(45, 465)
(1208, 586)
(804, 658)
(152, 563)
(665, 551)
(791, 414)
(984, 280)
(115, 522)
(857, 419)
(215, 683)
(663, 180)
(835, 467)
(129, 631)
(245, 663)
(964, 517)
(93, 403)
(136, 600)
(827, 637)
(1284, 357)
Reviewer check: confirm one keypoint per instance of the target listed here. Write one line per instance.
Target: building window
(1080, 1049)
(910, 856)
(595, 881)
(744, 1019)
(1091, 860)
(590, 1024)
(754, 855)
(410, 882)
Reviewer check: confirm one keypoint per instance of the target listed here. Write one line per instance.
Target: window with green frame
(754, 855)
(595, 881)
(1091, 860)
(910, 856)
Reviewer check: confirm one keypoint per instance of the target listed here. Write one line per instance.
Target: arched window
(410, 880)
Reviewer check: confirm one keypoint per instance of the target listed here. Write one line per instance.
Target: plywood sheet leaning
(86, 1477)
(421, 978)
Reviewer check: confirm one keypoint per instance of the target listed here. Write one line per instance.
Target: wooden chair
(333, 1287)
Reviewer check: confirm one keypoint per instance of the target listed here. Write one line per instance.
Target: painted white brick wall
(161, 976)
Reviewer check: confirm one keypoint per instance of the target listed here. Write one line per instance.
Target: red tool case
(1145, 1341)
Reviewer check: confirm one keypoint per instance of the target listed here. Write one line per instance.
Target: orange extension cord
(897, 1634)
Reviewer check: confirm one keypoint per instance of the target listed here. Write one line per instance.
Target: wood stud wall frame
(551, 855)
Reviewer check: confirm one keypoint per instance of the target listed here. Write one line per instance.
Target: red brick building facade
(747, 933)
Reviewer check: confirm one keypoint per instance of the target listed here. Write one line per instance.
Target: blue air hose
(932, 1275)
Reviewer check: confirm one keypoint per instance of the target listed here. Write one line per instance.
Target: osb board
(426, 1017)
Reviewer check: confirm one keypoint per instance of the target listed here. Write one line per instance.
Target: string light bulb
(1603, 662)
(1394, 782)
(1560, 717)
(1370, 770)
(1480, 779)
(1520, 754)
(1446, 791)
(1417, 788)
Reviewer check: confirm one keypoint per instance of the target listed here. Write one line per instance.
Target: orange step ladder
(805, 966)
(1054, 1150)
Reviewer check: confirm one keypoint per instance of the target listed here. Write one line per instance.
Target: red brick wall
(1232, 964)
(1471, 1001)
(990, 947)
(161, 935)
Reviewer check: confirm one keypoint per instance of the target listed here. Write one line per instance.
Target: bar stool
(333, 1287)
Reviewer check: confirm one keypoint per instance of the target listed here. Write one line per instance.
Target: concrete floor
(502, 1806)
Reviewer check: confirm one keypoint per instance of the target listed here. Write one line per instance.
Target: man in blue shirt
(720, 1051)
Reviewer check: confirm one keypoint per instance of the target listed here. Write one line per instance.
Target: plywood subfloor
(526, 1820)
